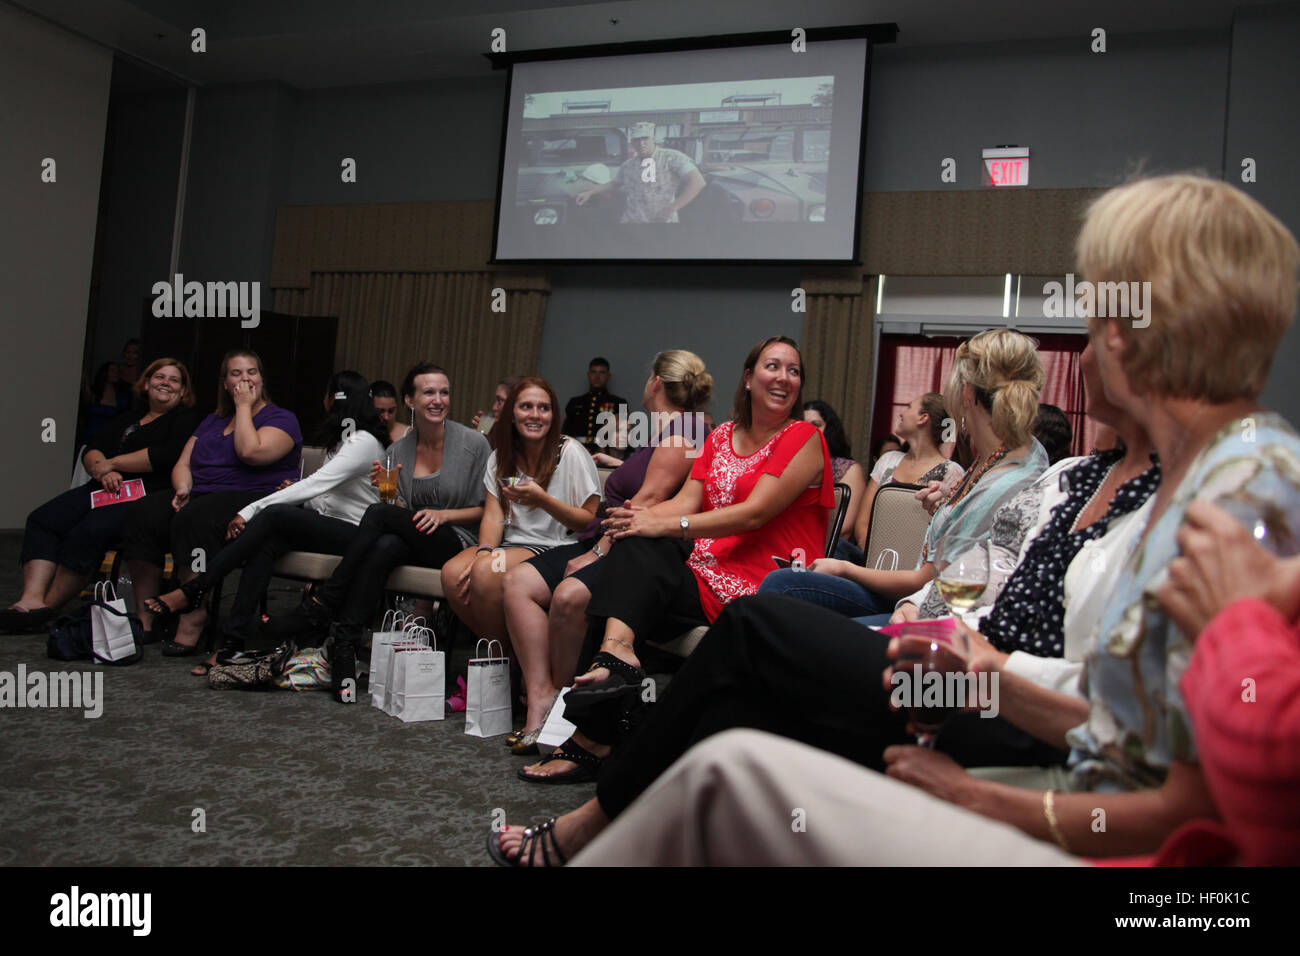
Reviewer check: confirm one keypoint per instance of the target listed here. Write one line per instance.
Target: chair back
(898, 524)
(313, 456)
(835, 520)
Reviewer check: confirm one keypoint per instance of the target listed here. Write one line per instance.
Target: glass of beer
(388, 482)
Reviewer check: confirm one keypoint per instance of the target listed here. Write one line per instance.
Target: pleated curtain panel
(411, 281)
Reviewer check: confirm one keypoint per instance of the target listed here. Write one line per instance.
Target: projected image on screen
(744, 162)
(677, 153)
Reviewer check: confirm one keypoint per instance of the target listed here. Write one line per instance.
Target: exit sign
(1006, 166)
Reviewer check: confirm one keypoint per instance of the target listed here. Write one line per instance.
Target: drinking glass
(388, 481)
(917, 657)
(518, 479)
(961, 573)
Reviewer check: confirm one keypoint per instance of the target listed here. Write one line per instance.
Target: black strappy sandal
(542, 835)
(587, 769)
(193, 595)
(623, 681)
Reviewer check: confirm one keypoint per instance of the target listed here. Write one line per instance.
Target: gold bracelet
(1049, 811)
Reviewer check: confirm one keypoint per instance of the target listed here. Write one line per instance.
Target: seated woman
(995, 382)
(844, 470)
(717, 806)
(761, 488)
(546, 597)
(542, 488)
(439, 484)
(319, 513)
(923, 422)
(235, 456)
(65, 538)
(1132, 744)
(384, 396)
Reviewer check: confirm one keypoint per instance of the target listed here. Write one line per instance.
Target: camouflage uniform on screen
(650, 202)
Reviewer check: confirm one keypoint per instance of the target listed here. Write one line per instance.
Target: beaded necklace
(972, 477)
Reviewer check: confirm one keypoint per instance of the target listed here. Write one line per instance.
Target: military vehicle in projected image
(760, 173)
(560, 163)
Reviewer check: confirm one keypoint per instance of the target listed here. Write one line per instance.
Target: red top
(731, 567)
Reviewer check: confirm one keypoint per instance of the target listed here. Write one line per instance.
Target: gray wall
(141, 168)
(1264, 124)
(54, 100)
(1089, 119)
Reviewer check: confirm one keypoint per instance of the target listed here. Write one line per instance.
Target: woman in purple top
(546, 597)
(244, 450)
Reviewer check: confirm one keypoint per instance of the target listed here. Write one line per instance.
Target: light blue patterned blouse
(1137, 722)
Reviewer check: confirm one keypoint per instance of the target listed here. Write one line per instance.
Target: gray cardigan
(457, 484)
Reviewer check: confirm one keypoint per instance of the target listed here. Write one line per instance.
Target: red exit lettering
(1005, 172)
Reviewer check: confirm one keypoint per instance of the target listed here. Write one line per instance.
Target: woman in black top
(66, 538)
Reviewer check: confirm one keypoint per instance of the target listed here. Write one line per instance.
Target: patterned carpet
(283, 778)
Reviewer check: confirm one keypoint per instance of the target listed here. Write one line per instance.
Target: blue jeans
(826, 590)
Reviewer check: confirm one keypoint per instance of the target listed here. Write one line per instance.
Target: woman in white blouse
(542, 488)
(921, 425)
(319, 513)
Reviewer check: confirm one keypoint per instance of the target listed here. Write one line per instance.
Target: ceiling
(311, 44)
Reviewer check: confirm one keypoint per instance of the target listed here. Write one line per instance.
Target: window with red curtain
(911, 365)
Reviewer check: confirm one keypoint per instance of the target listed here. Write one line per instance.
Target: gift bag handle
(424, 635)
(102, 591)
(391, 616)
(483, 640)
(893, 559)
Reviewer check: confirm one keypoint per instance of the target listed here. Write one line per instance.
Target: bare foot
(572, 832)
(201, 670)
(598, 674)
(564, 766)
(172, 600)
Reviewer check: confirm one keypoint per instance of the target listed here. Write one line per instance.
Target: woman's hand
(934, 772)
(835, 566)
(181, 498)
(905, 612)
(101, 468)
(235, 528)
(1221, 563)
(462, 582)
(427, 520)
(527, 494)
(931, 497)
(376, 467)
(606, 461)
(971, 647)
(638, 522)
(284, 484)
(111, 481)
(580, 562)
(243, 395)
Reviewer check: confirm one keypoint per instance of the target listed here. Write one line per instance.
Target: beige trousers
(745, 798)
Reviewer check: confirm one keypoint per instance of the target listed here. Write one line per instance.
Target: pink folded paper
(940, 629)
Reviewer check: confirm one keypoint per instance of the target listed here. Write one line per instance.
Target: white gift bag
(112, 638)
(487, 696)
(556, 730)
(417, 680)
(397, 628)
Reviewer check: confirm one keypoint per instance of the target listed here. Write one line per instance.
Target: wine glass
(922, 653)
(961, 572)
(517, 479)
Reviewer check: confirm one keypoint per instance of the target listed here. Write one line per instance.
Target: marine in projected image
(728, 152)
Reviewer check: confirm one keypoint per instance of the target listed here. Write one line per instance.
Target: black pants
(272, 533)
(646, 585)
(67, 531)
(385, 538)
(781, 665)
(155, 529)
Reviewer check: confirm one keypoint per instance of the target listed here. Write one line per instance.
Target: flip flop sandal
(623, 680)
(587, 769)
(542, 835)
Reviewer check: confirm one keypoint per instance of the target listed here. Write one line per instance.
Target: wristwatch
(686, 526)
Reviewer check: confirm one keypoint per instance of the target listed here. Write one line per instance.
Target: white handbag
(112, 639)
(417, 679)
(487, 694)
(394, 631)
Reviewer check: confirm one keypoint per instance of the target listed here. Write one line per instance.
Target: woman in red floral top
(761, 488)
